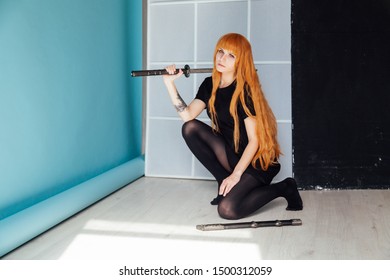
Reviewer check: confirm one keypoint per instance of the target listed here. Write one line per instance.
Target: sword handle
(186, 70)
(277, 223)
(157, 72)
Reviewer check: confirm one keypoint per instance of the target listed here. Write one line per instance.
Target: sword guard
(186, 70)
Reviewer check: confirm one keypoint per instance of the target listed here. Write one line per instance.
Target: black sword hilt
(186, 71)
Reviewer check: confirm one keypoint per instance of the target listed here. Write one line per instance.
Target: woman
(240, 149)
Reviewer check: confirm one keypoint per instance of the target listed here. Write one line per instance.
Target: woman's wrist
(169, 82)
(237, 173)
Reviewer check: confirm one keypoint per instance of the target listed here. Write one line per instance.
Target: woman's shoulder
(207, 85)
(205, 89)
(208, 82)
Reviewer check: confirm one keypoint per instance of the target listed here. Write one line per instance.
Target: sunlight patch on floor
(125, 240)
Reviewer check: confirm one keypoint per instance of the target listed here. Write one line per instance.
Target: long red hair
(247, 80)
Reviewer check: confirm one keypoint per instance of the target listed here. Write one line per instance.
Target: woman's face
(225, 61)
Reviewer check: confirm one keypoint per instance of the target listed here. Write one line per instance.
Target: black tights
(249, 194)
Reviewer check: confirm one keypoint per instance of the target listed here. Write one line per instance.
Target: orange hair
(247, 81)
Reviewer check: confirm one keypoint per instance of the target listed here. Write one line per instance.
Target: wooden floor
(155, 218)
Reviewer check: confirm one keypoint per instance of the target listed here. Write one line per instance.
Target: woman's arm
(245, 160)
(185, 112)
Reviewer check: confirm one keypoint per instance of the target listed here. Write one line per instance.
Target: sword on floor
(253, 224)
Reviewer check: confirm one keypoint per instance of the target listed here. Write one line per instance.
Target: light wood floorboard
(156, 218)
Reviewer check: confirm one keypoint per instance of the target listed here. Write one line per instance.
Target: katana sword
(275, 223)
(186, 70)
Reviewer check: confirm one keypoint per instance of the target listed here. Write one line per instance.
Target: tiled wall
(185, 32)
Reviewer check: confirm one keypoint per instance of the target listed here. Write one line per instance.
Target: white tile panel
(284, 137)
(217, 19)
(270, 27)
(171, 33)
(276, 84)
(167, 154)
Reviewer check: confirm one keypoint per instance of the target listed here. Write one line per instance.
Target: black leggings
(251, 192)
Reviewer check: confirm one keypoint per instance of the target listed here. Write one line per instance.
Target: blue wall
(70, 116)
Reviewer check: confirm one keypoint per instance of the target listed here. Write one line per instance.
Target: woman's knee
(190, 128)
(227, 210)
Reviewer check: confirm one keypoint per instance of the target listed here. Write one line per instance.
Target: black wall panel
(341, 93)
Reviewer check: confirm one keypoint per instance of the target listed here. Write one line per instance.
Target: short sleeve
(204, 91)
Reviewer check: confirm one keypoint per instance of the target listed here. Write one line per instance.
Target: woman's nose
(223, 56)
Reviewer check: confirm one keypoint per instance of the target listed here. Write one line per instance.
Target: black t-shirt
(224, 119)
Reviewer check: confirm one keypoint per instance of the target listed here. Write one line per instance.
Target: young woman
(240, 149)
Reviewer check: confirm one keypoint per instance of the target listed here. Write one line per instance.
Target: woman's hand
(171, 69)
(229, 183)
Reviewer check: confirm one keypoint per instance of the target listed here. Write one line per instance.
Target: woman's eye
(220, 51)
(232, 55)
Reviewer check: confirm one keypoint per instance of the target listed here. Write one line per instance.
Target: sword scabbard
(254, 224)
